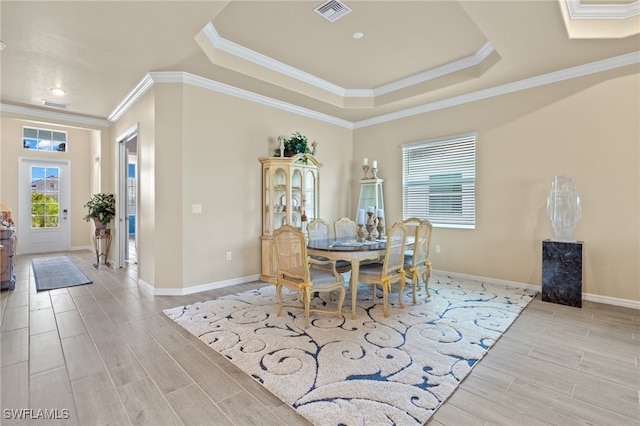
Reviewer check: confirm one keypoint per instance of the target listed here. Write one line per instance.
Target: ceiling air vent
(54, 104)
(332, 10)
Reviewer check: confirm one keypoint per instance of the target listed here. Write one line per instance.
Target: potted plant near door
(102, 209)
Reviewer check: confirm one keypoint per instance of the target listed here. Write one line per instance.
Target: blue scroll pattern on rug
(371, 370)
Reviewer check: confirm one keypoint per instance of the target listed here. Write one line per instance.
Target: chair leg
(341, 301)
(427, 275)
(415, 285)
(306, 295)
(279, 295)
(385, 309)
(401, 290)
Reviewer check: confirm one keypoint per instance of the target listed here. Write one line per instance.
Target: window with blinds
(439, 181)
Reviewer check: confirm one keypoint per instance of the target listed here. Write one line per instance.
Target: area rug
(57, 272)
(368, 371)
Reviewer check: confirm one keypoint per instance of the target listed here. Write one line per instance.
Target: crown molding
(578, 10)
(452, 67)
(264, 100)
(54, 115)
(247, 54)
(131, 98)
(541, 80)
(186, 78)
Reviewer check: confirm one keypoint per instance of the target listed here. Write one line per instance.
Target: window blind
(439, 180)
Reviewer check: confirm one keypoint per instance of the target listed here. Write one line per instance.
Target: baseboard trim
(493, 280)
(75, 248)
(611, 300)
(626, 303)
(195, 289)
(251, 278)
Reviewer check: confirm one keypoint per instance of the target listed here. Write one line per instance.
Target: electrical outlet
(437, 249)
(228, 255)
(196, 208)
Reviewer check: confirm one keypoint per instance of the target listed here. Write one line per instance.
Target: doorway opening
(128, 198)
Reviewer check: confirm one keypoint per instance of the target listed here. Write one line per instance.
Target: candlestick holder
(380, 228)
(360, 233)
(365, 169)
(374, 170)
(370, 226)
(374, 231)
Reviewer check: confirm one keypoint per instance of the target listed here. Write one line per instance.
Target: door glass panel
(131, 190)
(45, 194)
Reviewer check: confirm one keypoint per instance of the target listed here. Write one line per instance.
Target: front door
(43, 200)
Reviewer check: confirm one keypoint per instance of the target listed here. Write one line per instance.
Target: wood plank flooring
(105, 353)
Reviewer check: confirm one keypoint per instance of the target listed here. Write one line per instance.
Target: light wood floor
(106, 353)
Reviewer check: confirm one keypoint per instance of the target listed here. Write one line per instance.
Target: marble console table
(562, 272)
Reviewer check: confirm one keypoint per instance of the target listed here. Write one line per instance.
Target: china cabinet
(371, 195)
(289, 195)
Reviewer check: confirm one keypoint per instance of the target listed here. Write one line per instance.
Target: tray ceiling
(411, 52)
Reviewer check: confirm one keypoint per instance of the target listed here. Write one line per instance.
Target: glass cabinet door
(268, 203)
(279, 198)
(368, 196)
(296, 198)
(371, 194)
(310, 197)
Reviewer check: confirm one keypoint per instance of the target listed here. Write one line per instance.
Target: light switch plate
(196, 208)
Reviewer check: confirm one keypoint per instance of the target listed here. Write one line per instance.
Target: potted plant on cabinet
(102, 209)
(296, 144)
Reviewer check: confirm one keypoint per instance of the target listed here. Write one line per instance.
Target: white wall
(587, 128)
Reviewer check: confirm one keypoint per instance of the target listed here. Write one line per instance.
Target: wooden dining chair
(319, 229)
(293, 271)
(391, 269)
(344, 228)
(417, 264)
(412, 225)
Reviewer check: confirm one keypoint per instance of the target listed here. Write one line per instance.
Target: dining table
(352, 250)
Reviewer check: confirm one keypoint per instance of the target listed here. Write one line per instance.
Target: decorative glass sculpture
(563, 207)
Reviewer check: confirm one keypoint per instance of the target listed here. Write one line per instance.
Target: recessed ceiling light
(57, 91)
(357, 35)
